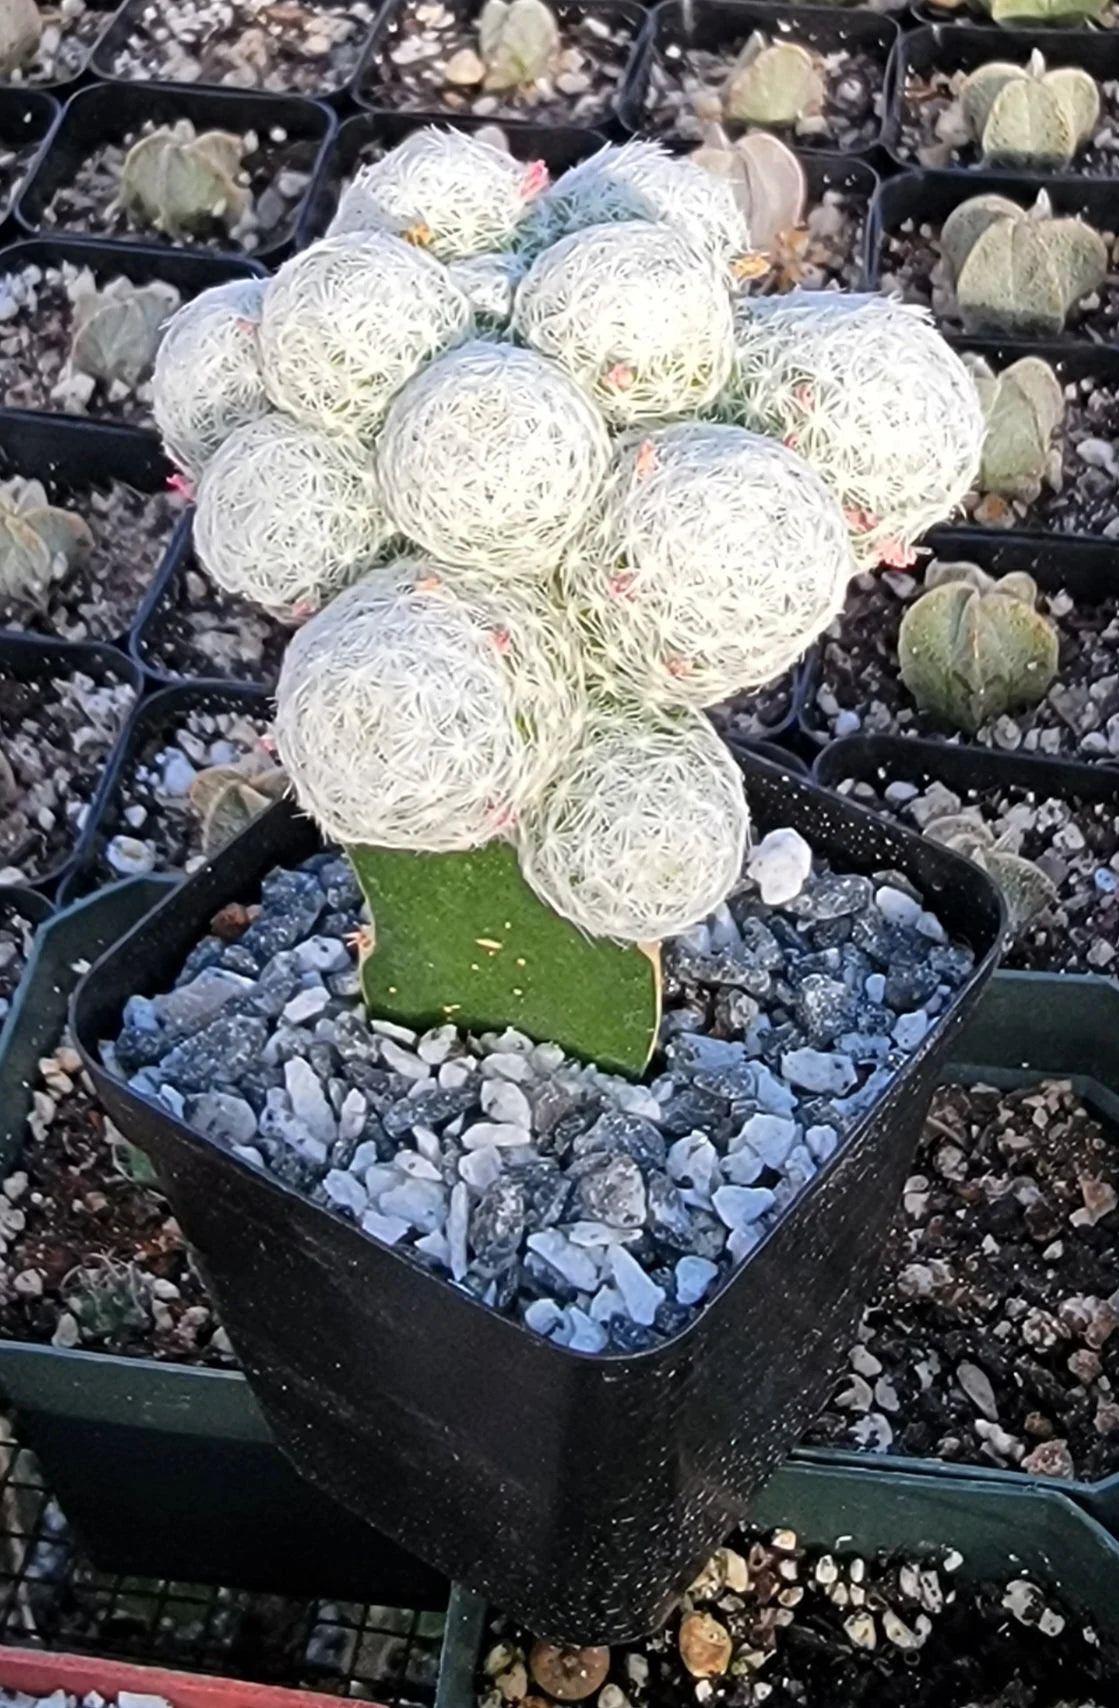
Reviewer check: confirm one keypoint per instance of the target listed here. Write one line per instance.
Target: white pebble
(575, 1265)
(741, 1206)
(507, 1064)
(309, 1101)
(342, 1189)
(458, 1222)
(390, 1230)
(505, 1102)
(403, 1061)
(642, 1297)
(818, 1071)
(910, 1029)
(306, 1005)
(480, 1168)
(542, 1316)
(771, 1137)
(780, 866)
(453, 1075)
(503, 1134)
(896, 907)
(694, 1276)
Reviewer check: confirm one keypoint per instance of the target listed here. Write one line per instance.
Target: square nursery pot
(927, 197)
(581, 1492)
(165, 616)
(558, 146)
(715, 24)
(951, 47)
(106, 113)
(1028, 1027)
(36, 1673)
(1001, 1533)
(27, 117)
(166, 1470)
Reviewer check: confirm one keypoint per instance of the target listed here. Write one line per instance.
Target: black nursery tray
(927, 198)
(183, 602)
(590, 1494)
(106, 114)
(26, 119)
(949, 48)
(365, 138)
(730, 23)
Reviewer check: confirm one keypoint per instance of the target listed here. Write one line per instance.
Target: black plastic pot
(167, 596)
(954, 47)
(1001, 1533)
(927, 198)
(28, 905)
(166, 1470)
(580, 1492)
(729, 24)
(368, 85)
(558, 146)
(106, 114)
(71, 456)
(30, 658)
(158, 712)
(26, 119)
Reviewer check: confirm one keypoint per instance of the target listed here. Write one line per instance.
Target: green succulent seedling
(116, 331)
(773, 83)
(38, 542)
(767, 179)
(21, 29)
(1018, 270)
(518, 40)
(1029, 116)
(183, 184)
(227, 799)
(110, 1301)
(1024, 406)
(1046, 11)
(1026, 889)
(971, 647)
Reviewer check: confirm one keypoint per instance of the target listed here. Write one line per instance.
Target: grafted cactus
(1026, 889)
(971, 648)
(768, 183)
(773, 83)
(39, 542)
(1029, 117)
(228, 797)
(518, 40)
(1024, 406)
(183, 184)
(21, 29)
(116, 331)
(1019, 270)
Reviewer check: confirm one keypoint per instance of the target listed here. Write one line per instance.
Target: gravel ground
(305, 47)
(196, 630)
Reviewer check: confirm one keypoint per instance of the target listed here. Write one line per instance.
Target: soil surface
(933, 133)
(93, 1257)
(292, 47)
(992, 1339)
(826, 251)
(16, 934)
(56, 732)
(196, 630)
(1081, 492)
(1073, 840)
(98, 598)
(275, 168)
(680, 78)
(859, 689)
(69, 32)
(754, 717)
(771, 1621)
(427, 60)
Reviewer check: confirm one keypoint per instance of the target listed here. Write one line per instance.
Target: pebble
(780, 865)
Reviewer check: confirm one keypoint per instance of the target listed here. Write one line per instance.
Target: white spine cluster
(488, 283)
(642, 832)
(636, 316)
(207, 378)
(867, 392)
(459, 195)
(640, 181)
(491, 458)
(424, 709)
(288, 516)
(347, 321)
(711, 561)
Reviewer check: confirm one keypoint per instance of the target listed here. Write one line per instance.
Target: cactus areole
(522, 565)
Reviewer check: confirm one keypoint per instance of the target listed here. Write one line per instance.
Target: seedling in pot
(1025, 888)
(519, 41)
(1020, 271)
(1023, 13)
(21, 29)
(1033, 119)
(1024, 406)
(183, 183)
(773, 83)
(38, 542)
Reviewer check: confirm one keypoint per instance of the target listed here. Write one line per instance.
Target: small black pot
(27, 118)
(558, 146)
(108, 113)
(166, 596)
(961, 47)
(590, 1494)
(29, 658)
(730, 23)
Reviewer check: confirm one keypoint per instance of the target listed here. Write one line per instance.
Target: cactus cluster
(178, 182)
(971, 647)
(39, 542)
(773, 83)
(1020, 270)
(1029, 117)
(1024, 406)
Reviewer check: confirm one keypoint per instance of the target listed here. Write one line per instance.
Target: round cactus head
(1024, 406)
(183, 183)
(207, 379)
(1019, 270)
(773, 83)
(21, 30)
(1027, 116)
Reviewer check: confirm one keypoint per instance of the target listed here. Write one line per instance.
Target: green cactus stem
(460, 938)
(227, 798)
(110, 1301)
(1024, 407)
(1020, 271)
(971, 648)
(773, 83)
(21, 30)
(518, 40)
(38, 542)
(184, 184)
(116, 331)
(1026, 889)
(1028, 116)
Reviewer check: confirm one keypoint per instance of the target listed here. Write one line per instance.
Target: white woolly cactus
(445, 190)
(287, 515)
(868, 393)
(491, 458)
(424, 709)
(348, 320)
(642, 832)
(207, 379)
(713, 559)
(636, 316)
